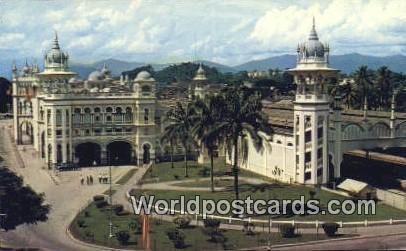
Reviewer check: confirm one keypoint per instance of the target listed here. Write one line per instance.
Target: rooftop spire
(56, 42)
(313, 33)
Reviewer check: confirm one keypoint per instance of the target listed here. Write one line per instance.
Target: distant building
(73, 122)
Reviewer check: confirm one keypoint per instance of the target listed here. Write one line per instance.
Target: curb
(324, 241)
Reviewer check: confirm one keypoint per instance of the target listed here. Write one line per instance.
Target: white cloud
(229, 32)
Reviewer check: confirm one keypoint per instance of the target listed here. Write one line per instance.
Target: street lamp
(111, 199)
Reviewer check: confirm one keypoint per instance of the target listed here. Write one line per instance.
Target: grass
(95, 231)
(282, 191)
(218, 182)
(162, 172)
(126, 177)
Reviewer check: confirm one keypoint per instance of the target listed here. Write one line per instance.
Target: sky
(225, 31)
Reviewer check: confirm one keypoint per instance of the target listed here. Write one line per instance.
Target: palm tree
(363, 80)
(383, 86)
(349, 95)
(169, 137)
(205, 128)
(241, 117)
(180, 127)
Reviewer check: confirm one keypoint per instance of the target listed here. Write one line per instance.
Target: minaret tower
(199, 82)
(311, 110)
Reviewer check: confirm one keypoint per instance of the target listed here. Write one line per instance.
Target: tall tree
(242, 117)
(383, 86)
(205, 129)
(363, 80)
(180, 120)
(19, 203)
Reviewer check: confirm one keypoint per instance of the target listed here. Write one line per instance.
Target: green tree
(242, 117)
(363, 81)
(180, 120)
(20, 203)
(383, 86)
(208, 117)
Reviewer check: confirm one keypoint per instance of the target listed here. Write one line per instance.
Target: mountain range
(346, 63)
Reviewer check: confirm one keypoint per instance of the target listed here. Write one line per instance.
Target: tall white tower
(311, 110)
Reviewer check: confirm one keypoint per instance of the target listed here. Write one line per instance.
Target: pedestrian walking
(87, 180)
(82, 180)
(100, 178)
(91, 180)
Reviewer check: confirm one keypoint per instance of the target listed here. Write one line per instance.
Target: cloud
(229, 32)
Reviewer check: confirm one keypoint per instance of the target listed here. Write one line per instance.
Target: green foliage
(5, 95)
(182, 221)
(177, 237)
(135, 225)
(287, 231)
(330, 229)
(81, 223)
(213, 223)
(123, 236)
(26, 207)
(100, 203)
(98, 197)
(118, 208)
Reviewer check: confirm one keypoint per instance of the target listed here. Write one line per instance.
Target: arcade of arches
(115, 153)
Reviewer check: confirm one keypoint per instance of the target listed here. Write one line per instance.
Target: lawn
(163, 172)
(218, 182)
(282, 191)
(95, 230)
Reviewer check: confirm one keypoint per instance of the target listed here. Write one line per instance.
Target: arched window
(87, 110)
(109, 109)
(97, 109)
(146, 89)
(128, 110)
(77, 110)
(58, 117)
(146, 115)
(119, 110)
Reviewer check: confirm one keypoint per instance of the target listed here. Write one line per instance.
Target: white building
(92, 122)
(309, 136)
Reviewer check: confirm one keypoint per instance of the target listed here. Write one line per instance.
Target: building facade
(73, 122)
(312, 133)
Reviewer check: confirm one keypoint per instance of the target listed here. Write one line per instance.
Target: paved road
(396, 242)
(66, 197)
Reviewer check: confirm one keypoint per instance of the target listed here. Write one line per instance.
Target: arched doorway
(58, 154)
(146, 153)
(88, 154)
(26, 133)
(119, 153)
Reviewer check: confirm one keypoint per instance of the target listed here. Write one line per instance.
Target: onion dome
(95, 76)
(312, 48)
(55, 59)
(200, 74)
(144, 76)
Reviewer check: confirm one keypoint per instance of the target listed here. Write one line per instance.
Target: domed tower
(55, 59)
(311, 110)
(144, 92)
(199, 83)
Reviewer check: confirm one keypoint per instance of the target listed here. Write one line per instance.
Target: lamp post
(111, 200)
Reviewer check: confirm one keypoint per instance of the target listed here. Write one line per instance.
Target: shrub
(211, 223)
(135, 225)
(81, 223)
(176, 176)
(287, 231)
(312, 194)
(123, 237)
(249, 228)
(177, 237)
(182, 221)
(118, 208)
(330, 229)
(87, 214)
(100, 203)
(89, 235)
(98, 197)
(204, 172)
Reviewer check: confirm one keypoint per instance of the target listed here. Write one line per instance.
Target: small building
(357, 189)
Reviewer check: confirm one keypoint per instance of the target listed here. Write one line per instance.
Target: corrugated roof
(353, 186)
